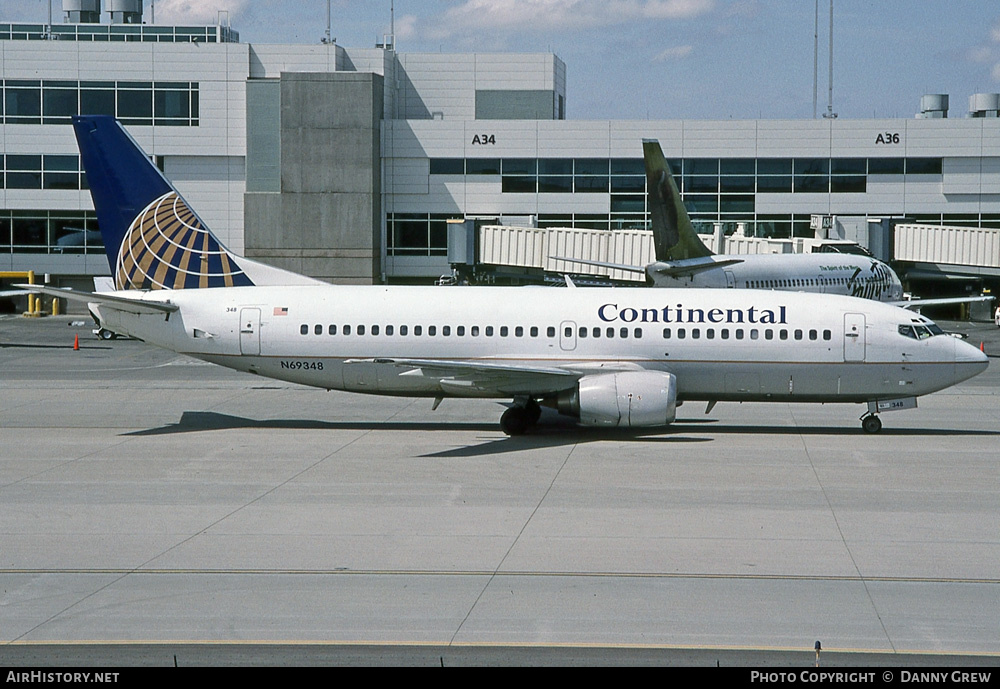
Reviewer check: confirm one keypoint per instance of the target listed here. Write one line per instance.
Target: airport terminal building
(347, 163)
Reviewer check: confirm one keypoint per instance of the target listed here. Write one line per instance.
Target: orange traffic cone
(76, 343)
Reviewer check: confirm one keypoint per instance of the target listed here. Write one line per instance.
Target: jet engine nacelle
(629, 399)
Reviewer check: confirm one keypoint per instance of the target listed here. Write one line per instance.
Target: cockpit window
(920, 331)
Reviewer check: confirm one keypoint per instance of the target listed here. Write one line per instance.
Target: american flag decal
(280, 310)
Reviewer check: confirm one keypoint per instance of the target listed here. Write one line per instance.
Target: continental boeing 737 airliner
(605, 356)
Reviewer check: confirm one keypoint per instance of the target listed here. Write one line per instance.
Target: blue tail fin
(152, 237)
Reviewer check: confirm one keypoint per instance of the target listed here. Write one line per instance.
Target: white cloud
(195, 11)
(980, 54)
(554, 15)
(406, 26)
(673, 53)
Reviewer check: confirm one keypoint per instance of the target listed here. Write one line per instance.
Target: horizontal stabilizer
(122, 303)
(691, 266)
(667, 268)
(600, 264)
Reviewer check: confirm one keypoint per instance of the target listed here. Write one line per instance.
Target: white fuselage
(825, 273)
(720, 344)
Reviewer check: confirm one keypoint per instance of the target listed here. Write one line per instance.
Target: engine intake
(630, 399)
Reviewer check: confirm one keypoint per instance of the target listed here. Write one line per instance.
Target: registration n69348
(300, 365)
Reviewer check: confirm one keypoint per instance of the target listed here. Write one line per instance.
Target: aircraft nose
(968, 354)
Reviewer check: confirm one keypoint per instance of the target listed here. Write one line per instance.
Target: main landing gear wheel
(518, 419)
(871, 424)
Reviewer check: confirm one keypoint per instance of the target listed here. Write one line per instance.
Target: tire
(106, 334)
(871, 424)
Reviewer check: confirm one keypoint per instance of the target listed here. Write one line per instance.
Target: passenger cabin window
(332, 329)
(303, 329)
(318, 329)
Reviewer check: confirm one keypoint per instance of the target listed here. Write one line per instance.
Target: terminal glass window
(135, 103)
(60, 101)
(22, 102)
(97, 98)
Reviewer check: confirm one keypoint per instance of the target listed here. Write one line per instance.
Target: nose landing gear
(871, 423)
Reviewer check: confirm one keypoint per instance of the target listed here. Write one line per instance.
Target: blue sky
(663, 59)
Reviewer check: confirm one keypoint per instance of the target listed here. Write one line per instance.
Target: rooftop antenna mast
(815, 58)
(327, 38)
(389, 42)
(830, 114)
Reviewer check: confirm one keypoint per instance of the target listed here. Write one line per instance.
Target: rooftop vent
(82, 11)
(984, 105)
(933, 106)
(125, 11)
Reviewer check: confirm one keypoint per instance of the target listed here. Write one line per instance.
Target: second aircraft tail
(674, 238)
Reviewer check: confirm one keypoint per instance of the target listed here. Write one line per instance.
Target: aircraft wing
(917, 304)
(13, 292)
(477, 376)
(121, 303)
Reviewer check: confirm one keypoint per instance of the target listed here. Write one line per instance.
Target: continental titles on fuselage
(610, 313)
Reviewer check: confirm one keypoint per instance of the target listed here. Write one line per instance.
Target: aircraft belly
(806, 382)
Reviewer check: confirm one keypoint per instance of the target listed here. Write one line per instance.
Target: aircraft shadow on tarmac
(552, 431)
